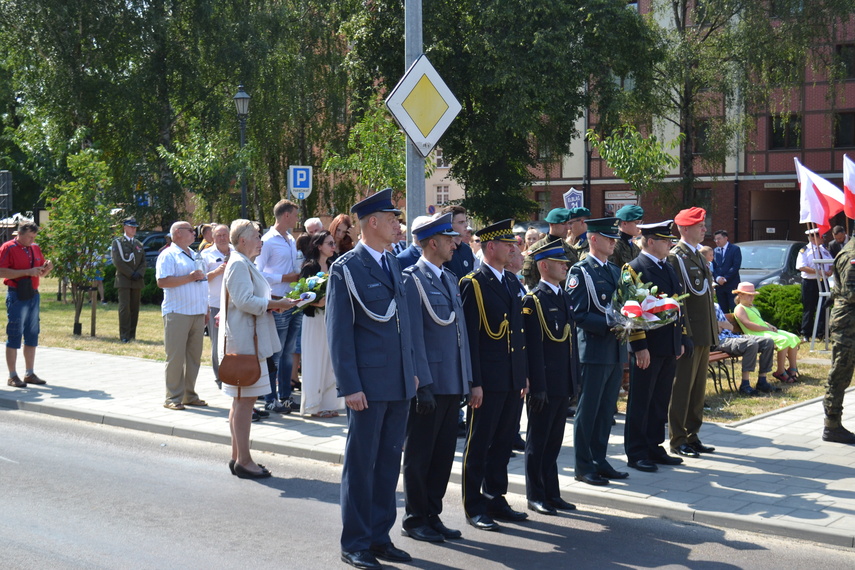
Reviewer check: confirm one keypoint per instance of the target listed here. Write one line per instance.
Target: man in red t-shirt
(21, 266)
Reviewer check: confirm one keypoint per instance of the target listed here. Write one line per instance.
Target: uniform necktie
(385, 267)
(444, 280)
(508, 286)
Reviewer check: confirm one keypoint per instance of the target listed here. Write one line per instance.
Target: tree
(726, 60)
(77, 236)
(642, 162)
(376, 156)
(523, 72)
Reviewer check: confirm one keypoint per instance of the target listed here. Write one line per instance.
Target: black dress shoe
(423, 533)
(613, 474)
(390, 553)
(643, 465)
(592, 479)
(244, 473)
(232, 466)
(447, 533)
(701, 448)
(506, 513)
(483, 522)
(519, 444)
(560, 504)
(541, 508)
(666, 459)
(360, 559)
(685, 450)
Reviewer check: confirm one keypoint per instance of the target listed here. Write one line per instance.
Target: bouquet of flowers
(637, 305)
(309, 289)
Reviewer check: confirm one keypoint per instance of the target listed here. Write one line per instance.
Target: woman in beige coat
(247, 314)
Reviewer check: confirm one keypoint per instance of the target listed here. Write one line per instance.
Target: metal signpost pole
(416, 201)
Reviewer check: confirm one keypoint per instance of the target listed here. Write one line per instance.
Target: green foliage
(641, 161)
(523, 72)
(80, 227)
(739, 57)
(376, 153)
(781, 305)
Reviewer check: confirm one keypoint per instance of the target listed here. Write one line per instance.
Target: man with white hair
(184, 309)
(313, 226)
(411, 255)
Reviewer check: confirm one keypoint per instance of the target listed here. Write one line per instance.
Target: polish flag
(849, 186)
(819, 199)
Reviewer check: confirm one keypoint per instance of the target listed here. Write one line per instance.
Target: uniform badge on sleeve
(852, 261)
(573, 282)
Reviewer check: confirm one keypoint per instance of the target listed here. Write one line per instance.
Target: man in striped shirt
(185, 310)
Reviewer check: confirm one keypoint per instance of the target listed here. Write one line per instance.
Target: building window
(542, 199)
(844, 130)
(701, 137)
(632, 5)
(846, 55)
(440, 160)
(442, 194)
(785, 131)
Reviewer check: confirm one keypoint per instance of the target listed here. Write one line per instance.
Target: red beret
(690, 217)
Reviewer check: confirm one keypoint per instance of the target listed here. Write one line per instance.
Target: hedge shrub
(151, 293)
(781, 305)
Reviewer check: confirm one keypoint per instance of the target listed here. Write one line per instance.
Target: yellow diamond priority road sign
(423, 105)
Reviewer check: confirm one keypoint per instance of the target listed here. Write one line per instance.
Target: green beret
(630, 213)
(557, 216)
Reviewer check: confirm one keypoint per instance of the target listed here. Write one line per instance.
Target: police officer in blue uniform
(591, 284)
(432, 426)
(375, 362)
(493, 307)
(654, 358)
(548, 323)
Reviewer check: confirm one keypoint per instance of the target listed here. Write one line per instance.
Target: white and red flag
(819, 199)
(849, 186)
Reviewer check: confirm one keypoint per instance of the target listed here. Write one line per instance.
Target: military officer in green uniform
(591, 284)
(576, 232)
(129, 258)
(842, 345)
(686, 411)
(625, 249)
(559, 224)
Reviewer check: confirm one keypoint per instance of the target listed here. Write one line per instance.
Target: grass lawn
(57, 320)
(57, 324)
(729, 407)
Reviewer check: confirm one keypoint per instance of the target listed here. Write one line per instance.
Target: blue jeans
(288, 325)
(23, 320)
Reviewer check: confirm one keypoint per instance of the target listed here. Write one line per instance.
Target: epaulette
(802, 250)
(409, 269)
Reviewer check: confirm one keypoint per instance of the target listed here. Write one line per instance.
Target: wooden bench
(723, 365)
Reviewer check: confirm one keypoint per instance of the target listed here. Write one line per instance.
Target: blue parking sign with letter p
(300, 181)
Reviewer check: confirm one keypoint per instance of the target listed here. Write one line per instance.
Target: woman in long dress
(786, 343)
(246, 306)
(319, 398)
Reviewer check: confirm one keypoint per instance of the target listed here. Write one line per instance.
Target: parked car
(152, 242)
(770, 262)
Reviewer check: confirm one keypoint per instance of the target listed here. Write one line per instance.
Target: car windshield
(766, 256)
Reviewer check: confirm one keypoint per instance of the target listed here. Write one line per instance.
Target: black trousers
(810, 295)
(543, 441)
(492, 429)
(647, 408)
(428, 456)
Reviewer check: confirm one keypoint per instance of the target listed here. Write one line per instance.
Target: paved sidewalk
(772, 474)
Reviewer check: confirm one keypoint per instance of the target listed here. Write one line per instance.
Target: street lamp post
(242, 106)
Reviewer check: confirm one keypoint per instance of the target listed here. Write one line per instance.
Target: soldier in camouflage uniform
(625, 249)
(843, 345)
(558, 220)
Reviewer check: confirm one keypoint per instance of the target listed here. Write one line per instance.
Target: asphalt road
(78, 495)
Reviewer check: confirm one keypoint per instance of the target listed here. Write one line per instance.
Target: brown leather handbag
(239, 370)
